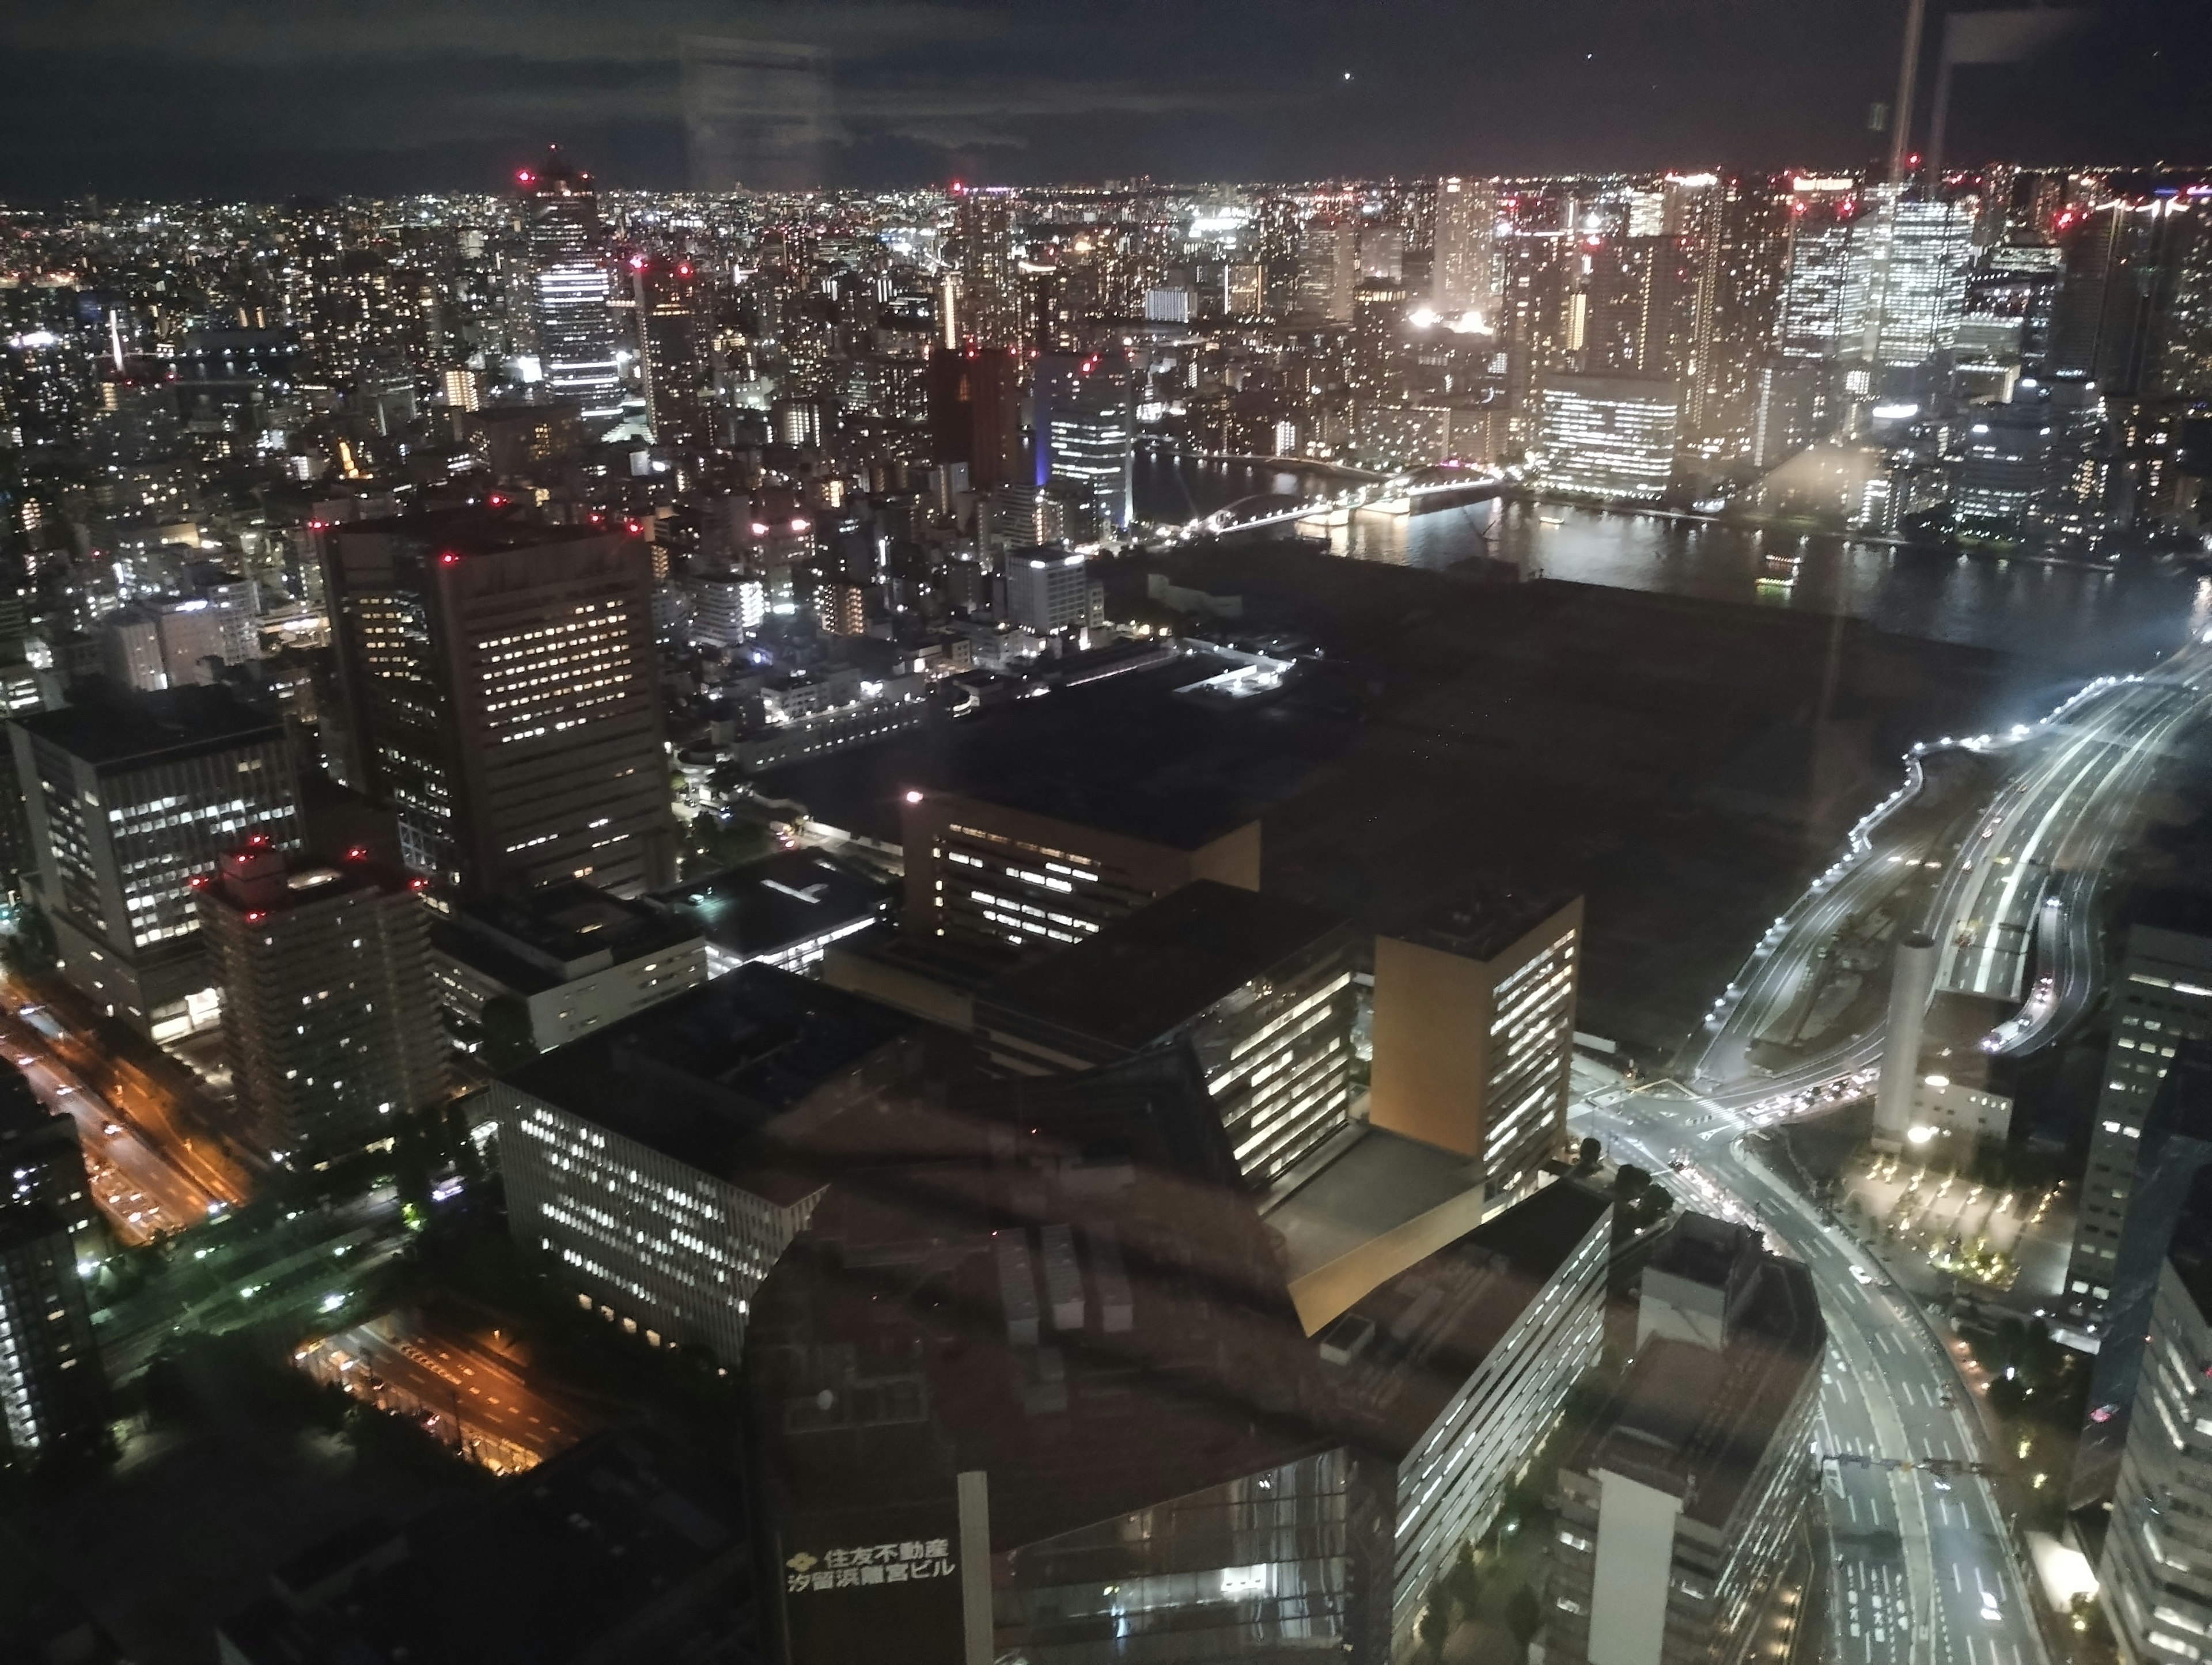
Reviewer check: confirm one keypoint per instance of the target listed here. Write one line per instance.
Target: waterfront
(2067, 621)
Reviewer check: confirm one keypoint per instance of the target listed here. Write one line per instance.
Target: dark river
(2064, 620)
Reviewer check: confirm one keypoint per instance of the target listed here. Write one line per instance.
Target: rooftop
(1410, 1345)
(1142, 976)
(772, 903)
(1368, 1182)
(1480, 921)
(111, 727)
(471, 531)
(633, 1559)
(1085, 1307)
(1697, 1421)
(700, 1076)
(545, 938)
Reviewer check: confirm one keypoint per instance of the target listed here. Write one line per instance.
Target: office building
(1048, 590)
(570, 286)
(597, 1555)
(975, 412)
(1090, 434)
(784, 910)
(1682, 1511)
(1328, 270)
(2033, 469)
(329, 1018)
(659, 1167)
(2131, 298)
(2161, 1001)
(1049, 1389)
(2162, 1186)
(501, 687)
(1010, 877)
(569, 959)
(1474, 1030)
(164, 643)
(1611, 437)
(990, 281)
(1828, 227)
(757, 113)
(53, 1396)
(2158, 1545)
(42, 1164)
(1919, 253)
(674, 363)
(1259, 987)
(727, 608)
(131, 797)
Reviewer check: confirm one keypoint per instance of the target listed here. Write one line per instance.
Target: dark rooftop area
(1485, 918)
(700, 1076)
(775, 901)
(1422, 1333)
(474, 530)
(529, 942)
(1702, 1249)
(108, 726)
(594, 1555)
(1179, 815)
(1142, 976)
(1685, 765)
(1699, 1421)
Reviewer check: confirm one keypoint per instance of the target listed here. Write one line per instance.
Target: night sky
(182, 98)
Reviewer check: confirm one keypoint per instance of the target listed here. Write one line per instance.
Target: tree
(1461, 1582)
(508, 1040)
(1436, 1623)
(1522, 1615)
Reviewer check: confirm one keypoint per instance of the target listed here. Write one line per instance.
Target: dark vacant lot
(1685, 764)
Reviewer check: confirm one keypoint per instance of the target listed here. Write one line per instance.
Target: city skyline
(249, 100)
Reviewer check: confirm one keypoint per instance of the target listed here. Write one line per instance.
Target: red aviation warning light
(523, 176)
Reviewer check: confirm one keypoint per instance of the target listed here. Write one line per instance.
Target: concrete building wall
(1470, 1056)
(2156, 1571)
(667, 1251)
(983, 874)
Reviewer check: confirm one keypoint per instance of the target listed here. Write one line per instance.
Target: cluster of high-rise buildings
(399, 601)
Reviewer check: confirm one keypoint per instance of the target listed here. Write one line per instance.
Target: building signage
(911, 1561)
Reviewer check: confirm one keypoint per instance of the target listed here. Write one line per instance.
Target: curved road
(1921, 1569)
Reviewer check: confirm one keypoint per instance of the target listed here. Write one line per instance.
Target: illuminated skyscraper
(1092, 437)
(131, 797)
(671, 347)
(329, 1015)
(1466, 247)
(1826, 226)
(1474, 1020)
(1915, 264)
(990, 286)
(570, 288)
(1328, 270)
(1609, 436)
(500, 683)
(2135, 311)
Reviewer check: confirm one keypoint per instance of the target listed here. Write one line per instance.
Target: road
(301, 1269)
(443, 1374)
(141, 1194)
(1921, 1571)
(2020, 883)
